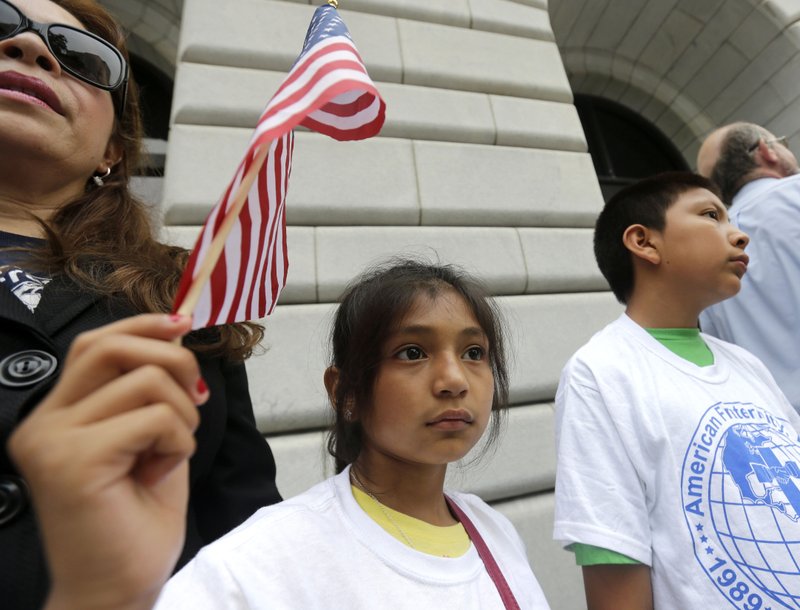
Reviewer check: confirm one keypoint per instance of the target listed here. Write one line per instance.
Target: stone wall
(687, 66)
(482, 162)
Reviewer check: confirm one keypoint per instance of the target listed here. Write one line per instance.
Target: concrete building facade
(482, 162)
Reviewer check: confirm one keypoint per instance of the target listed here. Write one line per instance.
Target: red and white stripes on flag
(327, 90)
(252, 268)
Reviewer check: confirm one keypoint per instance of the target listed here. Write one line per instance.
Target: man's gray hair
(735, 161)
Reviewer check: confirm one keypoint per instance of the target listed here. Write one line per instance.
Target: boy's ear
(642, 243)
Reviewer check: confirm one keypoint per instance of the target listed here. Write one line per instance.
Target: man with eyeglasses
(760, 181)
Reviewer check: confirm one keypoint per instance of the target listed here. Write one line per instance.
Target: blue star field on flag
(326, 23)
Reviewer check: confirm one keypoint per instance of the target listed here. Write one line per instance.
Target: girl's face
(433, 392)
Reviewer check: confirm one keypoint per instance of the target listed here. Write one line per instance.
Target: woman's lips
(18, 85)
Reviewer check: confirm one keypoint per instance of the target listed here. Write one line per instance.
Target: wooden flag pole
(218, 243)
(217, 246)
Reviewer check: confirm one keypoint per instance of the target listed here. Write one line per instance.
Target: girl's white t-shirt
(320, 550)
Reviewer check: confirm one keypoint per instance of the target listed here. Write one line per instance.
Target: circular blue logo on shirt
(740, 491)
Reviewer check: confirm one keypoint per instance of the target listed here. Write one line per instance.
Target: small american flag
(327, 90)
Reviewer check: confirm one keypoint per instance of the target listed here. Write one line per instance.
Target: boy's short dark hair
(645, 203)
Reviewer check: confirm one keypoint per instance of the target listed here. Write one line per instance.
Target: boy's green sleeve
(588, 555)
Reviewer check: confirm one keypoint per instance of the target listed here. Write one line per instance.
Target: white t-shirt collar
(400, 557)
(719, 372)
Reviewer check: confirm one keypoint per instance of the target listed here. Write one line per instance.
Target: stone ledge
(388, 181)
(493, 254)
(301, 285)
(235, 97)
(528, 438)
(555, 568)
(271, 36)
(506, 186)
(487, 62)
(509, 260)
(560, 260)
(332, 182)
(512, 18)
(544, 331)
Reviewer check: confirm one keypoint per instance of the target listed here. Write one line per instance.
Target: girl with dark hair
(418, 372)
(77, 252)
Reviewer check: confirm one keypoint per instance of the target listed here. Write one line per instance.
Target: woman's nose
(29, 47)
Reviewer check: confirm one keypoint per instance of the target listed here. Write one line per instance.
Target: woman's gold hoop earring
(100, 180)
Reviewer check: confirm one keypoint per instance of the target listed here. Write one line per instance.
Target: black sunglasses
(84, 55)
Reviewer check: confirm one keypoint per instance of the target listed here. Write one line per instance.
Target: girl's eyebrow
(421, 329)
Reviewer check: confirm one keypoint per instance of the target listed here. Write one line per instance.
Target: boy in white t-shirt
(678, 481)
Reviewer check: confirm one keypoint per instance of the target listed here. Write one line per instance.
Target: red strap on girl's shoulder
(509, 601)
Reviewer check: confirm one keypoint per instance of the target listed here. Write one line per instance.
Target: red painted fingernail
(175, 317)
(202, 388)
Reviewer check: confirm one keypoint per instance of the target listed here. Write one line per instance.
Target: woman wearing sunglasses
(77, 253)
